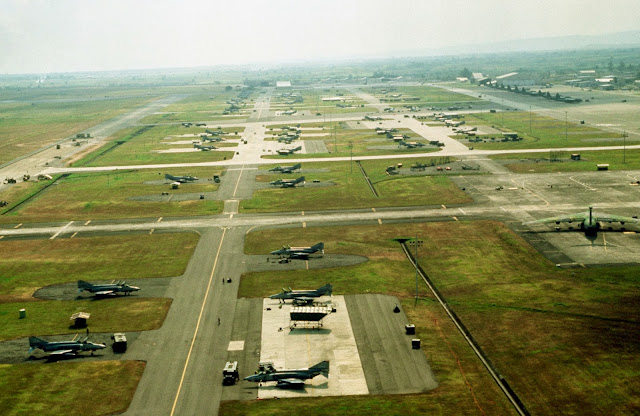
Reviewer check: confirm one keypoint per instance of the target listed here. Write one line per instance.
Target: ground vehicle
(230, 373)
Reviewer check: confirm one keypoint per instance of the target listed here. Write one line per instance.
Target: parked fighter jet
(288, 378)
(181, 179)
(287, 183)
(286, 169)
(64, 348)
(108, 289)
(588, 222)
(419, 166)
(410, 145)
(216, 132)
(288, 138)
(299, 252)
(285, 152)
(370, 118)
(303, 297)
(289, 112)
(203, 148)
(211, 139)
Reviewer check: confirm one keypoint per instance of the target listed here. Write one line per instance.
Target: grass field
(69, 389)
(349, 190)
(85, 196)
(142, 146)
(28, 126)
(577, 328)
(33, 264)
(199, 107)
(539, 162)
(51, 317)
(538, 132)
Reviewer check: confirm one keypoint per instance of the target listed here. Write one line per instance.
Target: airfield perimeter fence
(497, 377)
(366, 178)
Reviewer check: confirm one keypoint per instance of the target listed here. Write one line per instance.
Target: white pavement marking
(236, 346)
(60, 230)
(195, 334)
(18, 226)
(380, 221)
(88, 222)
(151, 231)
(159, 219)
(461, 210)
(304, 224)
(238, 182)
(74, 234)
(336, 344)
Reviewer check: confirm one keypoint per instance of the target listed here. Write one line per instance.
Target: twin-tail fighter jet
(292, 379)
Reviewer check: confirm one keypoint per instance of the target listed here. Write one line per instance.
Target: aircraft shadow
(308, 331)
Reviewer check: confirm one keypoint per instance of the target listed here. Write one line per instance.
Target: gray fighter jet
(108, 289)
(286, 152)
(64, 348)
(303, 297)
(292, 379)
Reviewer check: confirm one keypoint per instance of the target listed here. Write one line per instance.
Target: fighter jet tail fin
(322, 367)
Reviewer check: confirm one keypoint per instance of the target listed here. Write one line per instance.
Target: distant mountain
(609, 40)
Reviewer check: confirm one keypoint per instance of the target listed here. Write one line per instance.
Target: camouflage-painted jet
(181, 179)
(588, 222)
(203, 148)
(287, 183)
(293, 379)
(303, 296)
(286, 169)
(299, 252)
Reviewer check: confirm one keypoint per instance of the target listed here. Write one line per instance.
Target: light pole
(624, 147)
(565, 126)
(529, 120)
(351, 152)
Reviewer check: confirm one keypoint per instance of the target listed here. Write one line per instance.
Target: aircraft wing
(64, 352)
(569, 218)
(290, 383)
(613, 218)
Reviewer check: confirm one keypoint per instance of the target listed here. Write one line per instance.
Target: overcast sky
(77, 35)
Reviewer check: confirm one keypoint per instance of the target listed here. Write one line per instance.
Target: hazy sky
(76, 35)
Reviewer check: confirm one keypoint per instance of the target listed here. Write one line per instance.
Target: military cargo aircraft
(285, 152)
(302, 297)
(64, 348)
(288, 378)
(286, 169)
(203, 148)
(588, 222)
(181, 179)
(108, 289)
(410, 145)
(287, 183)
(299, 252)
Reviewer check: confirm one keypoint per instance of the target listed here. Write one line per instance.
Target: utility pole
(529, 120)
(416, 242)
(624, 147)
(351, 152)
(565, 126)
